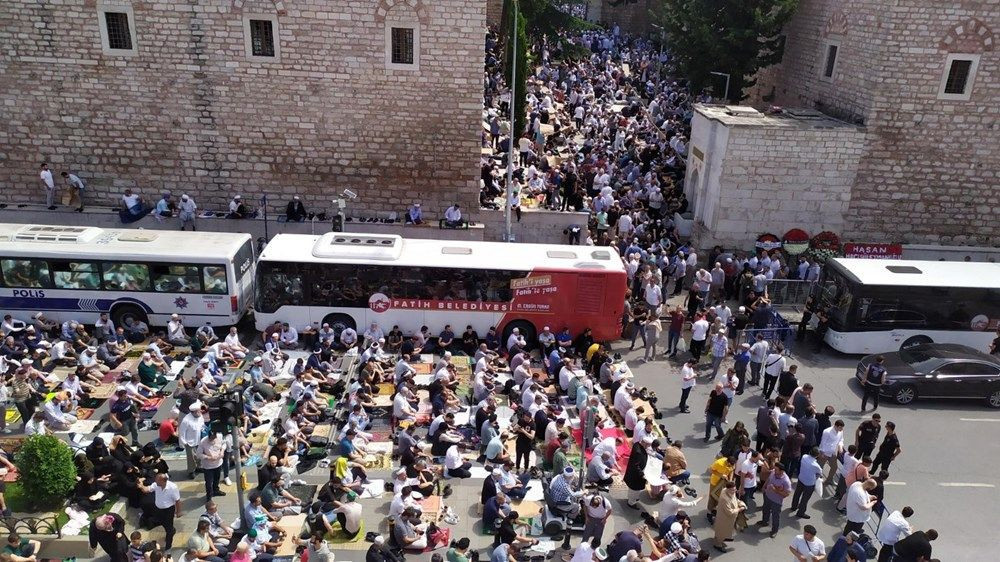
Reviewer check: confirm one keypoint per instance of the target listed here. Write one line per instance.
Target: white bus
(78, 272)
(355, 279)
(877, 305)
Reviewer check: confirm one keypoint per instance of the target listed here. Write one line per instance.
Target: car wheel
(525, 328)
(339, 323)
(124, 312)
(993, 400)
(915, 341)
(905, 394)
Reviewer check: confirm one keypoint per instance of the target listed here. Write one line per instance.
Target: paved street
(941, 472)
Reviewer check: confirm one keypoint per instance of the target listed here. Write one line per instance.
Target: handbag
(819, 487)
(682, 345)
(741, 521)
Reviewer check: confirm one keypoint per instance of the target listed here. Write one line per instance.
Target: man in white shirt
(402, 410)
(167, 507)
(187, 212)
(211, 452)
(175, 331)
(348, 338)
(623, 398)
(48, 184)
(547, 340)
(327, 335)
(189, 434)
(454, 465)
(289, 336)
(453, 216)
(373, 334)
(758, 354)
(806, 547)
(891, 530)
(516, 340)
(688, 377)
(654, 296)
(859, 505)
(233, 341)
(699, 334)
(774, 365)
(831, 444)
(403, 368)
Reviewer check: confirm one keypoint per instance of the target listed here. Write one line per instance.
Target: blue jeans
(710, 422)
(672, 339)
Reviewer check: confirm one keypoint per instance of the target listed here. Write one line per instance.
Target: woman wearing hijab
(635, 476)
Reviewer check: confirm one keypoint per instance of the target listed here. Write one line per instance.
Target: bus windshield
(836, 296)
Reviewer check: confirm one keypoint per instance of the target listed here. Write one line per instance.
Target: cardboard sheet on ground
(377, 447)
(535, 491)
(373, 489)
(479, 473)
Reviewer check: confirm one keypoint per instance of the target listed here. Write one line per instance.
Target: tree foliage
(45, 468)
(736, 37)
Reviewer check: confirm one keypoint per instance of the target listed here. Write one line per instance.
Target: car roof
(953, 351)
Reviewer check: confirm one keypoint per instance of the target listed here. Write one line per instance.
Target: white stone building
(750, 173)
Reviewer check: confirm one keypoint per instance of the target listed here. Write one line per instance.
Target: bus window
(215, 279)
(279, 284)
(33, 274)
(76, 275)
(125, 276)
(176, 279)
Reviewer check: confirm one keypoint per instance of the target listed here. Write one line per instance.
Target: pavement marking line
(965, 485)
(887, 483)
(995, 420)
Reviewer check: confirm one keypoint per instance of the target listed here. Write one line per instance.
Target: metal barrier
(778, 330)
(789, 292)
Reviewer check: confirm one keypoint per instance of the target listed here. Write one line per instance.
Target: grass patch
(19, 503)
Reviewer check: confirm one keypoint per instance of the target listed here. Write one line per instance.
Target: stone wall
(633, 16)
(494, 11)
(771, 177)
(189, 111)
(929, 171)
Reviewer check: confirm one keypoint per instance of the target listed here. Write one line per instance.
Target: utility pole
(510, 144)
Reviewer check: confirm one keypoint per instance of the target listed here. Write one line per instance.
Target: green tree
(45, 469)
(736, 37)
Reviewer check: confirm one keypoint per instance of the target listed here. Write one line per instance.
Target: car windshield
(918, 358)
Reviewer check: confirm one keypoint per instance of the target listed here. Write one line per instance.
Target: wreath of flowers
(767, 241)
(825, 240)
(795, 242)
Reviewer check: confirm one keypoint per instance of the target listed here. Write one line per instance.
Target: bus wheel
(993, 400)
(339, 323)
(905, 394)
(526, 329)
(123, 312)
(915, 341)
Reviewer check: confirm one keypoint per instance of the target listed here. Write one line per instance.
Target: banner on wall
(873, 251)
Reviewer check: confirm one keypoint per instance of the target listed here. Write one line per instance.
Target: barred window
(119, 34)
(402, 45)
(262, 38)
(958, 76)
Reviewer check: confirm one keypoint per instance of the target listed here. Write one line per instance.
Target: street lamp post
(726, 95)
(510, 142)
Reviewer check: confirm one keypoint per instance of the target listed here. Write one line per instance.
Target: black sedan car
(938, 370)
